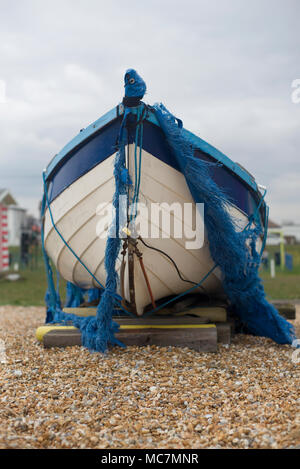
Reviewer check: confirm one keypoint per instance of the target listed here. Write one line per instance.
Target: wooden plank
(199, 339)
(42, 330)
(152, 320)
(211, 313)
(287, 310)
(202, 338)
(224, 330)
(64, 338)
(83, 312)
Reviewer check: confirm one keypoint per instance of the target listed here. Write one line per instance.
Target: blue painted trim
(85, 156)
(95, 150)
(118, 111)
(82, 136)
(213, 152)
(98, 141)
(239, 193)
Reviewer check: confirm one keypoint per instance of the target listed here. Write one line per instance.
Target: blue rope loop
(254, 218)
(137, 164)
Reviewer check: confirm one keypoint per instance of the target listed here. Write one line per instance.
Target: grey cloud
(225, 67)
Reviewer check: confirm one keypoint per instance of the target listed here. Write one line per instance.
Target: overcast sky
(225, 67)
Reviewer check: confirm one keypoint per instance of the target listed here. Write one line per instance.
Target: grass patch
(30, 289)
(286, 284)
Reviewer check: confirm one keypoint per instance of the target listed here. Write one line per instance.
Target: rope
(140, 258)
(265, 230)
(208, 274)
(51, 294)
(170, 259)
(254, 216)
(48, 269)
(137, 165)
(182, 294)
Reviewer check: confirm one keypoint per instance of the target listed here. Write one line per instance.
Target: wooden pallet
(202, 338)
(194, 332)
(211, 313)
(285, 309)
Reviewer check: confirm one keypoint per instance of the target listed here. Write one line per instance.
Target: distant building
(291, 232)
(272, 224)
(16, 217)
(275, 234)
(288, 232)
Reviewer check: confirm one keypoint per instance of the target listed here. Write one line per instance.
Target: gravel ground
(245, 396)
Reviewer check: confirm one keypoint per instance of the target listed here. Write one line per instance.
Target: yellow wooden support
(42, 330)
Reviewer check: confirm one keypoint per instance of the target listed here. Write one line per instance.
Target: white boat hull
(76, 217)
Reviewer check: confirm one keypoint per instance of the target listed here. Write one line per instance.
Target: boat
(80, 187)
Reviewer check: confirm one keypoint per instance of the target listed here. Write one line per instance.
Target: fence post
(272, 268)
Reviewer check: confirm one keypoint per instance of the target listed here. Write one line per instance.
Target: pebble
(244, 396)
